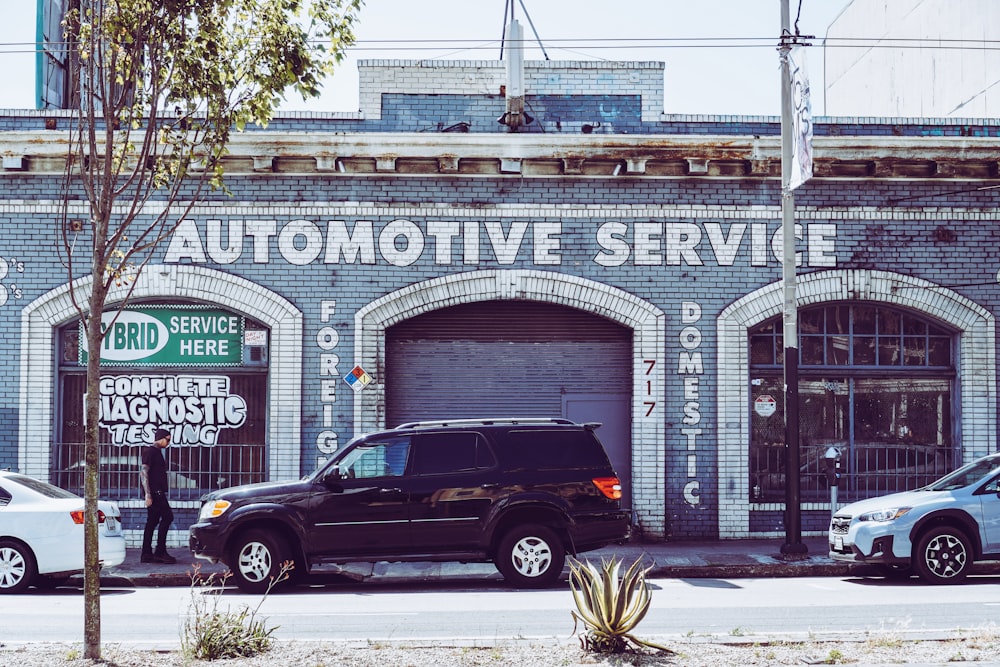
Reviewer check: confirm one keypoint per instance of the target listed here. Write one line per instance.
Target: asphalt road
(807, 606)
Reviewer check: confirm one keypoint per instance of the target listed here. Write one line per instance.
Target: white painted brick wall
(485, 77)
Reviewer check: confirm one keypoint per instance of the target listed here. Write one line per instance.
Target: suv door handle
(392, 491)
(490, 485)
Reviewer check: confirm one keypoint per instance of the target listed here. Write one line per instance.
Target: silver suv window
(967, 475)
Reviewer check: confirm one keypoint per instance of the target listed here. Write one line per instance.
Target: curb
(396, 573)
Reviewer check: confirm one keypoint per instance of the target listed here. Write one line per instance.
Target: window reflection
(887, 407)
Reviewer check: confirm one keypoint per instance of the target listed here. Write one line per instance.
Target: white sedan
(41, 533)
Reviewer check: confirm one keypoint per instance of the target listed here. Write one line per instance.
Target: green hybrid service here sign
(170, 336)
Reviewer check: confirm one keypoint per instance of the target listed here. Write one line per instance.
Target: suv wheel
(943, 556)
(256, 561)
(531, 556)
(17, 567)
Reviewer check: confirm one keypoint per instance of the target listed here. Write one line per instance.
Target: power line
(603, 43)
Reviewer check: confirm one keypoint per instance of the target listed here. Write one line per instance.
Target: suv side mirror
(333, 475)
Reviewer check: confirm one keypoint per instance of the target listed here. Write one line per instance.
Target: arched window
(209, 388)
(874, 382)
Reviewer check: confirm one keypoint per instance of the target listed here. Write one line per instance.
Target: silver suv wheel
(943, 555)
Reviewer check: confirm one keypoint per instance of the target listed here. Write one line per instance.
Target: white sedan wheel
(17, 567)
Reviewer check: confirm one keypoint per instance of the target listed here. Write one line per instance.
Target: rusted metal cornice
(559, 155)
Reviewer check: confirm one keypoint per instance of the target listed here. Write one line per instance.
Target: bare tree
(159, 87)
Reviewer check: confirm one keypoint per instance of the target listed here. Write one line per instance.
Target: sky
(719, 55)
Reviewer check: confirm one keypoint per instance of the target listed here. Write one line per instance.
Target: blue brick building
(608, 262)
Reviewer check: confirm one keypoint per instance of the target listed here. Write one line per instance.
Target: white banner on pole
(802, 169)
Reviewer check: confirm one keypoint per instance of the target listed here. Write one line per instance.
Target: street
(789, 607)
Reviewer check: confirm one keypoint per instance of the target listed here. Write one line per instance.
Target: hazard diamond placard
(358, 378)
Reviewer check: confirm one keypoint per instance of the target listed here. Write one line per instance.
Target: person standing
(159, 516)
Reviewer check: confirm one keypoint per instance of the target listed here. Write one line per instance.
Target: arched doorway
(41, 318)
(976, 368)
(646, 387)
(514, 358)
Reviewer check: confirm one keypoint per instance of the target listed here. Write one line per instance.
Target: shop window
(217, 414)
(874, 382)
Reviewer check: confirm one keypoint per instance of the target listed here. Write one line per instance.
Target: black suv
(518, 492)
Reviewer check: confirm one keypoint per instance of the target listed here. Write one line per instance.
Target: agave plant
(610, 605)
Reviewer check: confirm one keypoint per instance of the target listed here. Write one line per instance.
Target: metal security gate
(215, 444)
(508, 358)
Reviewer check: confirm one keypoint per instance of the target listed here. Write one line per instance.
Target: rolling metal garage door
(502, 358)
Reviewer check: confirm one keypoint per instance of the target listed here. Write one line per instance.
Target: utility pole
(793, 546)
(515, 116)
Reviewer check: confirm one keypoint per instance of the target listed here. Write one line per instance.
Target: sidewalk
(679, 559)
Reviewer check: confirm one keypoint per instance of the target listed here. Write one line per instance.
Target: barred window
(874, 382)
(218, 441)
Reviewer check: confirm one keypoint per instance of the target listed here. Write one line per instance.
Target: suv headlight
(890, 514)
(213, 509)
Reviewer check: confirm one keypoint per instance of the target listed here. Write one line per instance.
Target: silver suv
(938, 530)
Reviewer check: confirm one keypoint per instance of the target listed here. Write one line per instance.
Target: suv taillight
(78, 516)
(610, 487)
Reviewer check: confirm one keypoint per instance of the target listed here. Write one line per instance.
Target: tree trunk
(91, 492)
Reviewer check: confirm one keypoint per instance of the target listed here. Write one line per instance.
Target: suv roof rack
(486, 422)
